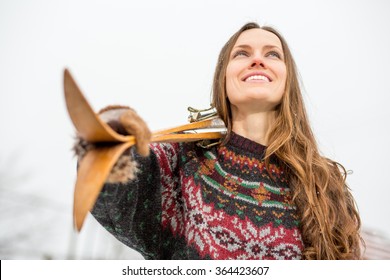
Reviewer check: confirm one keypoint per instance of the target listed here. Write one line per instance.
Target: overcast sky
(159, 56)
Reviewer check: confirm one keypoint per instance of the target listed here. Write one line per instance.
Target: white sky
(159, 56)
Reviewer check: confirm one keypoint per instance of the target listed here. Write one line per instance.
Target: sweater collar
(241, 142)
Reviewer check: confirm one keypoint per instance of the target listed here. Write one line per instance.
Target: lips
(257, 76)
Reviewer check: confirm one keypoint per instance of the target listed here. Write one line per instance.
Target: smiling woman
(263, 192)
(328, 217)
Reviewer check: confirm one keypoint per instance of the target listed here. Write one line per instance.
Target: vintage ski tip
(87, 123)
(93, 171)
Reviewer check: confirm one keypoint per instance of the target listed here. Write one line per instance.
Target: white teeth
(257, 77)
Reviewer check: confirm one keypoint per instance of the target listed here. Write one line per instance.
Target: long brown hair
(330, 221)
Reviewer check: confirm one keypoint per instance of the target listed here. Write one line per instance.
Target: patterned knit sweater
(189, 202)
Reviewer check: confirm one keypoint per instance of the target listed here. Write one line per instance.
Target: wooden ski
(96, 165)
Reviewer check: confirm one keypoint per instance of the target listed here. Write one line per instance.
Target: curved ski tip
(77, 225)
(78, 220)
(66, 73)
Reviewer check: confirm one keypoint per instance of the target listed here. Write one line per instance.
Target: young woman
(265, 192)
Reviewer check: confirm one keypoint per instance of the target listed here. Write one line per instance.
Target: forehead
(258, 37)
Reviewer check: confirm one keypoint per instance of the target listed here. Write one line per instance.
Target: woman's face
(256, 72)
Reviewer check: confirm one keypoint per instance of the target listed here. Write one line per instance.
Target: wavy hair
(330, 221)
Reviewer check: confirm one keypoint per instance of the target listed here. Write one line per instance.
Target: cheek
(282, 73)
(229, 73)
(229, 80)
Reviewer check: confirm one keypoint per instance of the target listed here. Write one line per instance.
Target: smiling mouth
(254, 78)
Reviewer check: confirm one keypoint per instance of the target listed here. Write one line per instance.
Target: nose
(257, 61)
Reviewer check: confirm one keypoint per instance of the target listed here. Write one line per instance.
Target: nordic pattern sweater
(189, 202)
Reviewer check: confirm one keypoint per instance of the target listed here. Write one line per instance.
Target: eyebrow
(264, 47)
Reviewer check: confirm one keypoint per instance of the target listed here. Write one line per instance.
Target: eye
(240, 53)
(273, 54)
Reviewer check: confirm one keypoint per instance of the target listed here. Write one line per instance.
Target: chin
(259, 95)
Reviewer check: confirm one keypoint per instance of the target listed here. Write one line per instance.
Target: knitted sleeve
(132, 211)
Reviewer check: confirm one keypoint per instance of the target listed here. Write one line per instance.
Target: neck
(254, 126)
